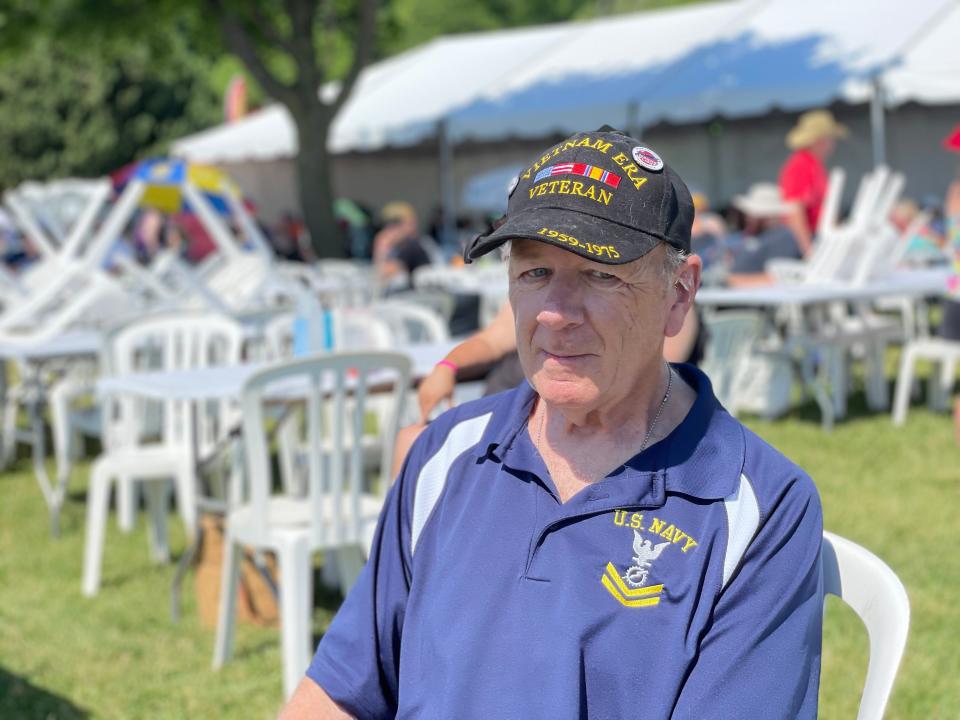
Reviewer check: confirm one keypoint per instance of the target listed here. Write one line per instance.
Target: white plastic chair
(336, 510)
(941, 351)
(411, 323)
(865, 583)
(747, 373)
(131, 455)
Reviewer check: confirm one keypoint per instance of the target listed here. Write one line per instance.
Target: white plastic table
(34, 356)
(811, 297)
(226, 382)
(914, 283)
(214, 383)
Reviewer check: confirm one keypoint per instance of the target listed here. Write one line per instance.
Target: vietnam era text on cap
(602, 195)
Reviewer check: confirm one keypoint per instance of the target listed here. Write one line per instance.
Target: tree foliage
(73, 110)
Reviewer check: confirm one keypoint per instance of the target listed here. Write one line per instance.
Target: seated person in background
(16, 250)
(708, 231)
(399, 248)
(923, 244)
(604, 540)
(765, 236)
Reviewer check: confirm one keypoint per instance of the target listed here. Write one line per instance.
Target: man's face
(589, 334)
(824, 147)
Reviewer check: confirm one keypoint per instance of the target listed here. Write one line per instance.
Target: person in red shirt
(803, 177)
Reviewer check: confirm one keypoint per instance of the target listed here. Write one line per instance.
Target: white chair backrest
(169, 342)
(730, 338)
(362, 329)
(441, 302)
(865, 583)
(75, 297)
(868, 193)
(830, 211)
(353, 329)
(335, 388)
(411, 324)
(357, 282)
(872, 239)
(278, 338)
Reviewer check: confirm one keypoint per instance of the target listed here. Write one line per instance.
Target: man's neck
(579, 454)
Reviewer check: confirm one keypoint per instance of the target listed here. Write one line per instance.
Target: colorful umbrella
(164, 180)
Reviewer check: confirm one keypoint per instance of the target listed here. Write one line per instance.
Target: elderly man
(604, 540)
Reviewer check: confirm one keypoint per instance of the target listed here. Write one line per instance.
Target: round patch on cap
(647, 158)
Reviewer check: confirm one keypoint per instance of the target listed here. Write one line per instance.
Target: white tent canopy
(929, 71)
(397, 102)
(732, 59)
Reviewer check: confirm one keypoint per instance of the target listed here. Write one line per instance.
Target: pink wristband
(449, 364)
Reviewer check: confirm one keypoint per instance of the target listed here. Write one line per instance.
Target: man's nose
(563, 304)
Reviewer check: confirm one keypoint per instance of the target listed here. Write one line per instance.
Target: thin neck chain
(653, 425)
(663, 403)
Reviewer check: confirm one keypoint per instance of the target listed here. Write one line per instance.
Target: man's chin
(567, 390)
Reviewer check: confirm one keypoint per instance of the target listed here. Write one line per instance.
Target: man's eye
(606, 277)
(535, 273)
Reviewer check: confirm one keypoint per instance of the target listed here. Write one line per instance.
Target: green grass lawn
(896, 491)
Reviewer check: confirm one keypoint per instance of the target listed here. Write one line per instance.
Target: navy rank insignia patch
(631, 588)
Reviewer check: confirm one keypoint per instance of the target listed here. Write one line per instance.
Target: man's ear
(683, 293)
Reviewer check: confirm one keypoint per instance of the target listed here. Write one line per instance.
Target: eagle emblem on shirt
(629, 589)
(645, 552)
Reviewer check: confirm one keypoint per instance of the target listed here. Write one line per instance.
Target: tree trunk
(315, 177)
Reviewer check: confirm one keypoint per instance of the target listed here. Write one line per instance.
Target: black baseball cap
(603, 195)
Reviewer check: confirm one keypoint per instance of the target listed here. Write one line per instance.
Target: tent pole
(447, 196)
(634, 128)
(877, 124)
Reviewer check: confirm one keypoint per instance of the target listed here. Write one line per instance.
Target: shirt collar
(702, 457)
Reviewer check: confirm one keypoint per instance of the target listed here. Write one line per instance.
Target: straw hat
(398, 210)
(812, 126)
(761, 201)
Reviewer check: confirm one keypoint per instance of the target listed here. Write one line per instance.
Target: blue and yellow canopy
(165, 178)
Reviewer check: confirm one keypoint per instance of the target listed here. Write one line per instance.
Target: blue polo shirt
(685, 584)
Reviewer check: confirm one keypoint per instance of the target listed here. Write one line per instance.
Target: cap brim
(591, 237)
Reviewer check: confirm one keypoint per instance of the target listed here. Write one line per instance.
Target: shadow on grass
(20, 699)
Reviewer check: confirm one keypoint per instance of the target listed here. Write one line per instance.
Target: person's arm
(482, 348)
(760, 655)
(796, 220)
(951, 203)
(311, 702)
(387, 266)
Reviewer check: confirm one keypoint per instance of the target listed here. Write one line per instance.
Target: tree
(89, 111)
(292, 49)
(295, 32)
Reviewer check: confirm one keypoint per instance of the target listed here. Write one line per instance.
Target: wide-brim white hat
(762, 200)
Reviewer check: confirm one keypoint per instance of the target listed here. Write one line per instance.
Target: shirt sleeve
(358, 659)
(760, 655)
